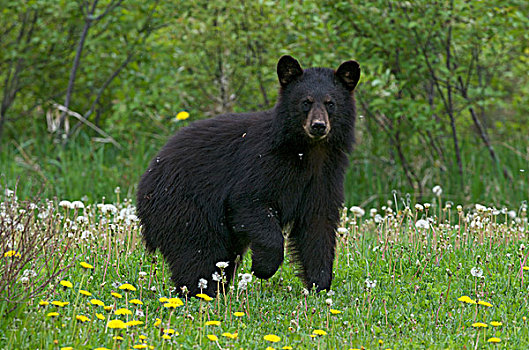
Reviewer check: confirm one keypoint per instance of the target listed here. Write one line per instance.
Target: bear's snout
(317, 125)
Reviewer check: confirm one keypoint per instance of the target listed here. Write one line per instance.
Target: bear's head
(318, 102)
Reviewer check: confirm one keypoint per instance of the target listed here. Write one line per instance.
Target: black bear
(236, 181)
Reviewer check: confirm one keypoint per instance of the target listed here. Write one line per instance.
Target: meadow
(75, 275)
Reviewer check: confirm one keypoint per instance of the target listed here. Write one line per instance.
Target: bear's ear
(288, 69)
(349, 74)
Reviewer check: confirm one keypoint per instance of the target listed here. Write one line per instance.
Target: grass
(396, 285)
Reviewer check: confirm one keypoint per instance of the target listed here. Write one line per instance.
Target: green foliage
(443, 96)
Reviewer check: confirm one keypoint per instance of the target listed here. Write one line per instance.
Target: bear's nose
(318, 128)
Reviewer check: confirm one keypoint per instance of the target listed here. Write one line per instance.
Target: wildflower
(272, 338)
(60, 303)
(82, 318)
(370, 284)
(123, 311)
(127, 287)
(44, 303)
(357, 211)
(166, 337)
(484, 303)
(102, 348)
(421, 223)
(97, 302)
(86, 265)
(466, 299)
(11, 253)
(85, 292)
(319, 332)
(496, 323)
(77, 205)
(67, 348)
(52, 314)
(212, 337)
(108, 308)
(328, 301)
(158, 322)
(437, 190)
(476, 272)
(335, 312)
(526, 268)
(479, 325)
(204, 296)
(176, 301)
(136, 301)
(133, 323)
(66, 284)
(116, 295)
(163, 300)
(222, 264)
(100, 316)
(65, 204)
(183, 115)
(173, 305)
(238, 314)
(117, 337)
(286, 347)
(169, 331)
(212, 323)
(342, 230)
(494, 340)
(140, 346)
(116, 324)
(230, 335)
(202, 283)
(216, 277)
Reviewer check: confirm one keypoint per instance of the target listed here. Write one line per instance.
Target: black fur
(233, 182)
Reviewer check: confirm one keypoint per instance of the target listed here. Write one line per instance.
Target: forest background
(90, 90)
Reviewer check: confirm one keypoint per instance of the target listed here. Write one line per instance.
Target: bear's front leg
(259, 227)
(313, 244)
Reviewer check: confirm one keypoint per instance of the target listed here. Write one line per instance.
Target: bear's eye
(330, 105)
(306, 105)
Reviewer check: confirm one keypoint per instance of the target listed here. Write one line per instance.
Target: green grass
(419, 273)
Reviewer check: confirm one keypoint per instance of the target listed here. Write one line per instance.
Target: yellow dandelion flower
(171, 305)
(108, 308)
(484, 303)
(82, 318)
(60, 303)
(85, 292)
(67, 348)
(319, 332)
(158, 322)
(165, 336)
(170, 331)
(204, 296)
(52, 314)
(140, 346)
(479, 325)
(86, 265)
(313, 335)
(212, 323)
(117, 337)
(116, 324)
(127, 287)
(183, 115)
(272, 338)
(133, 323)
(116, 295)
(11, 253)
(212, 337)
(380, 341)
(269, 348)
(102, 348)
(230, 335)
(176, 301)
(163, 300)
(286, 347)
(335, 312)
(44, 303)
(136, 301)
(66, 284)
(123, 311)
(494, 340)
(526, 268)
(100, 316)
(496, 324)
(97, 302)
(238, 314)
